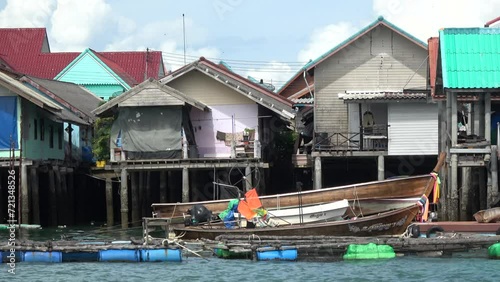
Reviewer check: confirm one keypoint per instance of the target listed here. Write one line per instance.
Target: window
(51, 136)
(35, 129)
(42, 129)
(59, 138)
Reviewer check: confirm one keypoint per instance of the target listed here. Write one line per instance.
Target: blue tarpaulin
(8, 122)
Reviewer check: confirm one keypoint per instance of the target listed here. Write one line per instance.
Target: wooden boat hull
(387, 223)
(365, 198)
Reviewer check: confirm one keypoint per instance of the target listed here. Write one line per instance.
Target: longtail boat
(388, 223)
(364, 198)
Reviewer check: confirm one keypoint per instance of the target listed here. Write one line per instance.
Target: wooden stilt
(109, 203)
(464, 194)
(142, 198)
(482, 189)
(248, 178)
(35, 195)
(185, 185)
(134, 195)
(124, 198)
(453, 211)
(70, 183)
(53, 196)
(171, 185)
(64, 196)
(147, 194)
(318, 181)
(494, 174)
(163, 186)
(25, 199)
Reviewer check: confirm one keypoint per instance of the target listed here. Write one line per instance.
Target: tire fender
(433, 230)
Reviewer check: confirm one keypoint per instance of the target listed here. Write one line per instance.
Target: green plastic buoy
(369, 251)
(494, 251)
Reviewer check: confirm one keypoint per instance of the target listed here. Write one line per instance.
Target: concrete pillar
(381, 167)
(110, 220)
(185, 184)
(464, 193)
(487, 116)
(453, 211)
(53, 196)
(481, 113)
(163, 186)
(134, 195)
(318, 181)
(248, 178)
(25, 200)
(124, 198)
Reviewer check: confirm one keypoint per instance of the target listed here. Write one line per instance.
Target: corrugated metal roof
(470, 57)
(382, 95)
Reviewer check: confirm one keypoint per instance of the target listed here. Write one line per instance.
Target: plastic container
(119, 255)
(369, 251)
(51, 257)
(286, 254)
(161, 255)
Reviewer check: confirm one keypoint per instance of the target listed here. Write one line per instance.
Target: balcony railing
(373, 138)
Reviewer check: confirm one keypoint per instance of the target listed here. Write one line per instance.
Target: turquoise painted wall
(106, 91)
(33, 146)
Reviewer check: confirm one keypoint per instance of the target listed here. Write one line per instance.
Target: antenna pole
(184, 35)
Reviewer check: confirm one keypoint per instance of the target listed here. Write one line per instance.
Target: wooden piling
(147, 194)
(35, 195)
(163, 186)
(185, 184)
(494, 174)
(171, 185)
(318, 181)
(25, 206)
(248, 178)
(64, 196)
(482, 188)
(59, 198)
(70, 182)
(124, 198)
(134, 195)
(53, 196)
(453, 211)
(109, 202)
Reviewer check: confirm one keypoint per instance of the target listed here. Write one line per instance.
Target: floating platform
(329, 248)
(65, 251)
(461, 226)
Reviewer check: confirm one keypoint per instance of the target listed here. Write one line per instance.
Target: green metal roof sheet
(470, 57)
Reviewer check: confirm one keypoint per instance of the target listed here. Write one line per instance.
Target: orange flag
(245, 210)
(253, 199)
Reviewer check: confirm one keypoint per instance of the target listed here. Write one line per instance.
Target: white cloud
(75, 23)
(324, 39)
(27, 13)
(424, 18)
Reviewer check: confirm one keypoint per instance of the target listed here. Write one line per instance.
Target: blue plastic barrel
(119, 255)
(289, 254)
(42, 257)
(153, 255)
(80, 257)
(7, 256)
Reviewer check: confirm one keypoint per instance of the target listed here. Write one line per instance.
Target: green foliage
(100, 142)
(283, 145)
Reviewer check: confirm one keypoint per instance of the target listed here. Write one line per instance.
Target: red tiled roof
(21, 50)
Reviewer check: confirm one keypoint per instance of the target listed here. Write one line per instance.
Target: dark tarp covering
(149, 132)
(8, 122)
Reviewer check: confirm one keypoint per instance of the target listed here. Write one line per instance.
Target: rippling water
(213, 269)
(472, 266)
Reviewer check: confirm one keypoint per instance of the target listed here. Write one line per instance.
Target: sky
(268, 40)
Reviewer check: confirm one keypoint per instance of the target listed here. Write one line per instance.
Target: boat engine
(199, 214)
